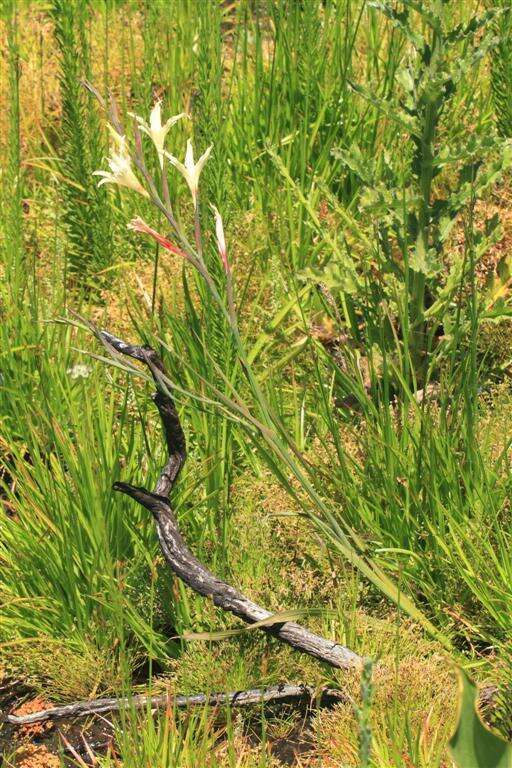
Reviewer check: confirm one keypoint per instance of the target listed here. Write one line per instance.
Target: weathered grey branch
(181, 560)
(281, 693)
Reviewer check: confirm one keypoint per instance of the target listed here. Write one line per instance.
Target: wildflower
(190, 170)
(155, 130)
(139, 225)
(121, 171)
(79, 371)
(221, 241)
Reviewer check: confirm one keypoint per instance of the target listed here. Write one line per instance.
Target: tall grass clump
(73, 571)
(501, 69)
(87, 214)
(14, 266)
(399, 377)
(292, 69)
(17, 331)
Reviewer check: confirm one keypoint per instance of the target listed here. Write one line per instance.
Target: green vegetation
(86, 213)
(341, 372)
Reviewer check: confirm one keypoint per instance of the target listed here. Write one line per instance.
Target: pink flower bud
(139, 225)
(221, 241)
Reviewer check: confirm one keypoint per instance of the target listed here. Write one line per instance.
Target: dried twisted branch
(181, 560)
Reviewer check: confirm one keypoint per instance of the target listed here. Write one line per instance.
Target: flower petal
(202, 160)
(172, 120)
(189, 158)
(177, 164)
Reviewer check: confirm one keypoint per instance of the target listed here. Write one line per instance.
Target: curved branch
(179, 557)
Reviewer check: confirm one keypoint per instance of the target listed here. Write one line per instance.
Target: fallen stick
(181, 560)
(282, 693)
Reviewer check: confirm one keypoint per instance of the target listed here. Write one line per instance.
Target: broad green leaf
(354, 159)
(473, 745)
(424, 261)
(499, 283)
(406, 79)
(498, 312)
(399, 19)
(474, 25)
(334, 275)
(389, 108)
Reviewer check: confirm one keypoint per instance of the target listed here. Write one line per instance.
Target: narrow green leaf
(276, 618)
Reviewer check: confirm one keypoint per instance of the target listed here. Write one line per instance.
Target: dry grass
(64, 671)
(413, 699)
(40, 104)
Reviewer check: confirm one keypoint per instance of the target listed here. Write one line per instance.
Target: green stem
(155, 279)
(418, 327)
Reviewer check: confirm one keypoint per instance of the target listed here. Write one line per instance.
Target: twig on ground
(274, 693)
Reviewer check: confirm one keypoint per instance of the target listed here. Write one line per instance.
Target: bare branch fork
(195, 575)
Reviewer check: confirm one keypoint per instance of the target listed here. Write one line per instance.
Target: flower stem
(197, 228)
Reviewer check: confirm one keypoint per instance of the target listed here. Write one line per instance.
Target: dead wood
(179, 557)
(276, 693)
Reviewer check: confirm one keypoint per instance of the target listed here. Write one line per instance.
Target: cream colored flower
(190, 170)
(155, 130)
(121, 171)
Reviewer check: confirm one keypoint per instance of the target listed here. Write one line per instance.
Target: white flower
(221, 240)
(121, 171)
(155, 130)
(190, 170)
(79, 371)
